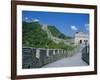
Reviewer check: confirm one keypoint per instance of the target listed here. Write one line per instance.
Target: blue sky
(67, 23)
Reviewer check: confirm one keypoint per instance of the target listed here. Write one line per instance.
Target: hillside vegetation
(55, 32)
(34, 36)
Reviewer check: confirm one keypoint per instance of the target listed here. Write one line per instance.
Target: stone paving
(69, 61)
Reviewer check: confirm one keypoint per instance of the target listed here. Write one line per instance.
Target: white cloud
(87, 29)
(74, 28)
(35, 20)
(86, 25)
(26, 18)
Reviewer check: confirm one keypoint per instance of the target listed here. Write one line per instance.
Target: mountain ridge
(34, 36)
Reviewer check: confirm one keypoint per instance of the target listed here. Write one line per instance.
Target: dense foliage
(55, 32)
(34, 36)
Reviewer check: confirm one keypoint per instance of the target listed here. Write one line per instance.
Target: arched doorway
(80, 41)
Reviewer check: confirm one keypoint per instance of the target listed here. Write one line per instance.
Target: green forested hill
(34, 36)
(55, 32)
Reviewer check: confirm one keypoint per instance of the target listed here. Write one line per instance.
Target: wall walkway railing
(85, 54)
(38, 57)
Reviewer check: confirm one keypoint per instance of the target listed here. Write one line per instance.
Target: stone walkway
(69, 61)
